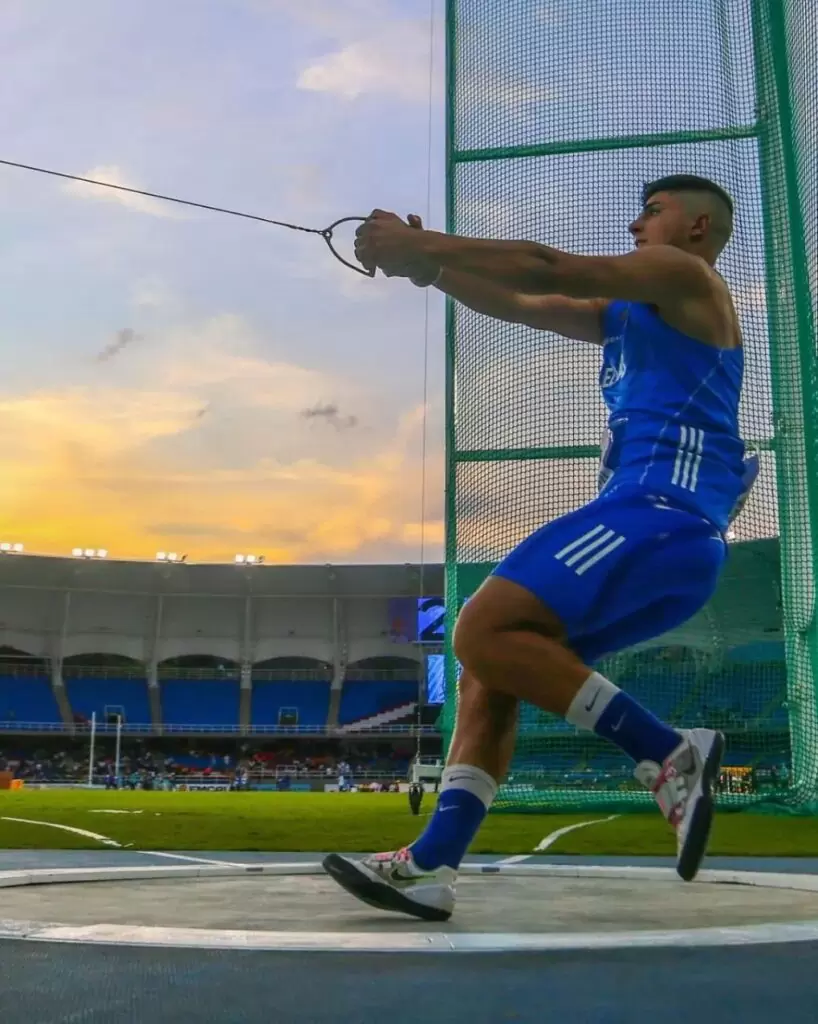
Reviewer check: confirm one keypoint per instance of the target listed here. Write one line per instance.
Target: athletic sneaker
(683, 787)
(392, 881)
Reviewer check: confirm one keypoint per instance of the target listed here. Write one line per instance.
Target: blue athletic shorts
(623, 569)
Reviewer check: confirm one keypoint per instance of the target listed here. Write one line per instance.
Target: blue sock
(465, 796)
(606, 710)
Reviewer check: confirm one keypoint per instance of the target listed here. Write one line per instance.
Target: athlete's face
(663, 221)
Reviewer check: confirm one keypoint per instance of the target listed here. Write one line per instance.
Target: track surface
(48, 983)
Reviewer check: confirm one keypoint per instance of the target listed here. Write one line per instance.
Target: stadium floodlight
(249, 559)
(102, 553)
(11, 549)
(170, 556)
(89, 552)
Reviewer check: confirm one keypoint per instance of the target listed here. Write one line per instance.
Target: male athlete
(637, 561)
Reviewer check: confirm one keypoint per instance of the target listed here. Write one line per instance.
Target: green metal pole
(606, 144)
(451, 370)
(792, 352)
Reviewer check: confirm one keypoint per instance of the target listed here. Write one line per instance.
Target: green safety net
(558, 112)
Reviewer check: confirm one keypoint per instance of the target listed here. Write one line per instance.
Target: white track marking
(193, 860)
(112, 842)
(552, 837)
(68, 828)
(421, 939)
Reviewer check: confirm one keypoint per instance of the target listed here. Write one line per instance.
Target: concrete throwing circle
(513, 907)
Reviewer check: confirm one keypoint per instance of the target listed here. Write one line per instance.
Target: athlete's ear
(700, 226)
(651, 274)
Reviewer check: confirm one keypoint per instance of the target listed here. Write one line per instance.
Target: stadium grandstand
(176, 671)
(190, 674)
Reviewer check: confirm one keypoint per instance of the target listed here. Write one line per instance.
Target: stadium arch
(212, 666)
(365, 668)
(294, 667)
(117, 645)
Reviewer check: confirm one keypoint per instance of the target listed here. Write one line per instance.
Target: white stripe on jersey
(688, 457)
(697, 461)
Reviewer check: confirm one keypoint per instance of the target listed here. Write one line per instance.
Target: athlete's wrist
(428, 280)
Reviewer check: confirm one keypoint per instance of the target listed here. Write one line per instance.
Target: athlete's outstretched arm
(651, 274)
(578, 319)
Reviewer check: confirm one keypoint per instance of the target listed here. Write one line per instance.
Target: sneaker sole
(695, 847)
(378, 894)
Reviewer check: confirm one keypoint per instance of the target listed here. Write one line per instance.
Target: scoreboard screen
(435, 679)
(417, 620)
(431, 620)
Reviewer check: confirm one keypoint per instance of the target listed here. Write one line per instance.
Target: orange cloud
(163, 463)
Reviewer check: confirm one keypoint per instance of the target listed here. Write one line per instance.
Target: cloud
(123, 338)
(393, 62)
(190, 530)
(330, 414)
(135, 468)
(221, 360)
(110, 174)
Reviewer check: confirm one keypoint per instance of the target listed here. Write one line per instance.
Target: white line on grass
(68, 828)
(112, 842)
(552, 837)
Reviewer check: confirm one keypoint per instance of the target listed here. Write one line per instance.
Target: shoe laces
(669, 785)
(671, 792)
(393, 857)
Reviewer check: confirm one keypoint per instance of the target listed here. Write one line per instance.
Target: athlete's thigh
(644, 624)
(615, 558)
(674, 577)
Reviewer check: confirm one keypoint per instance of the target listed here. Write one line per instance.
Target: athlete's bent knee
(481, 700)
(471, 643)
(499, 608)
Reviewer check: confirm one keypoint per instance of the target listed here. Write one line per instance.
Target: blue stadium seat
(360, 699)
(200, 702)
(199, 762)
(310, 697)
(97, 695)
(25, 700)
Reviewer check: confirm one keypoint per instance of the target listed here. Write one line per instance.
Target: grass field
(354, 822)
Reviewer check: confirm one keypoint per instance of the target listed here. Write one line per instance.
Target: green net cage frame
(556, 115)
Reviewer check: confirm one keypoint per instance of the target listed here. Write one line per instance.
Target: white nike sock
(595, 694)
(473, 780)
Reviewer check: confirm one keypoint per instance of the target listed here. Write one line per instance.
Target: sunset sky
(182, 380)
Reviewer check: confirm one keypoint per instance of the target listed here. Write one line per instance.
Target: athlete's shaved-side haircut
(721, 206)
